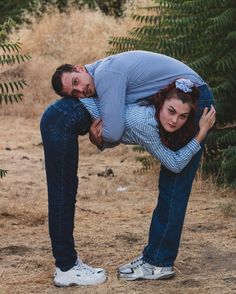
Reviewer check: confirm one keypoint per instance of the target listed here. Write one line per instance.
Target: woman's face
(174, 114)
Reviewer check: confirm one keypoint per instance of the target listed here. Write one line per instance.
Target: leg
(168, 216)
(174, 190)
(61, 124)
(159, 255)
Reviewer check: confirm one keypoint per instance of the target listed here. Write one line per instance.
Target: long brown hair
(182, 136)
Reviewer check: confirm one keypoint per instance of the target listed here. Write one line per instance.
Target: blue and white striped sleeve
(146, 134)
(92, 106)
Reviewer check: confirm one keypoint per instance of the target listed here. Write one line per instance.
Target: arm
(111, 92)
(95, 136)
(148, 137)
(142, 130)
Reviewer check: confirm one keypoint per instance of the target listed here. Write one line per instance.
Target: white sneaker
(144, 270)
(80, 274)
(95, 269)
(132, 263)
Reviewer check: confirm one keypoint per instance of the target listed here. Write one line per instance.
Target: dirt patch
(112, 220)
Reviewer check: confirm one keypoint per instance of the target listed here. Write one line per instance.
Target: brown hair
(182, 136)
(56, 78)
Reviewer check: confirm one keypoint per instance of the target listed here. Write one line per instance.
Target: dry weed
(228, 208)
(23, 214)
(73, 37)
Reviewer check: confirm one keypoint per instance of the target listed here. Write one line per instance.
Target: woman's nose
(174, 119)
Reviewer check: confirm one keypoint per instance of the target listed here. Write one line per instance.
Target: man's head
(73, 80)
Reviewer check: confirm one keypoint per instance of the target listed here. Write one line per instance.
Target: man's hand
(95, 133)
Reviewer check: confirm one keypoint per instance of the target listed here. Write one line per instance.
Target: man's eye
(171, 110)
(76, 82)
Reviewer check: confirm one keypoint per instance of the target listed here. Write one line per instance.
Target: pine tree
(203, 35)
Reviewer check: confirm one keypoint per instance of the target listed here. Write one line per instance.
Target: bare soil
(112, 221)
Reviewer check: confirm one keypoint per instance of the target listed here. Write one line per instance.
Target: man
(120, 79)
(60, 127)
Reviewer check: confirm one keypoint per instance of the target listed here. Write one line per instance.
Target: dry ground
(111, 225)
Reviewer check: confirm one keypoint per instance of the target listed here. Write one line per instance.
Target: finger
(97, 122)
(213, 115)
(211, 112)
(204, 113)
(100, 132)
(212, 107)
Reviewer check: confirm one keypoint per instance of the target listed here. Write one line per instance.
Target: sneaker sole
(100, 281)
(163, 277)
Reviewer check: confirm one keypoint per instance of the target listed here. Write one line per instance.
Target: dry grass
(111, 225)
(74, 37)
(77, 37)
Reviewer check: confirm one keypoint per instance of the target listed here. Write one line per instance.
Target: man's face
(174, 114)
(78, 83)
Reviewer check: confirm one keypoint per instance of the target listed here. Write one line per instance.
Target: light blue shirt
(141, 128)
(126, 78)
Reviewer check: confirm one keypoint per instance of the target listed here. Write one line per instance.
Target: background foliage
(10, 54)
(203, 35)
(16, 8)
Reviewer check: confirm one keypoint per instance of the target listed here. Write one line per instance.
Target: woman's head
(175, 111)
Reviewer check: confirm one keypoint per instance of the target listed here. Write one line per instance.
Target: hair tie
(184, 85)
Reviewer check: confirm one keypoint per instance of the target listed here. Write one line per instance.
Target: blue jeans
(61, 124)
(174, 190)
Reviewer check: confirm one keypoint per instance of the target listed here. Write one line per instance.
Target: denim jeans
(174, 190)
(61, 124)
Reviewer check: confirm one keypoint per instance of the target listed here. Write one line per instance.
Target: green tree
(10, 54)
(16, 8)
(203, 35)
(13, 9)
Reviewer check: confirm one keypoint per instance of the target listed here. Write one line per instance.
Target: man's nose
(79, 89)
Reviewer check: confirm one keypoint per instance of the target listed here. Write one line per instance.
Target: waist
(206, 98)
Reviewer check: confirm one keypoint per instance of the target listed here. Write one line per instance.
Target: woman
(173, 116)
(166, 125)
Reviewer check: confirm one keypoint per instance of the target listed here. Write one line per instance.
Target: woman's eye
(184, 117)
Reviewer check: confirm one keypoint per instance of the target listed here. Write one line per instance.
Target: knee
(83, 122)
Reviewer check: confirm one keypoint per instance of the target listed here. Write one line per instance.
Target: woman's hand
(206, 122)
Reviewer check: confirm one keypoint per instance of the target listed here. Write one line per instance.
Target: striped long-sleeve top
(141, 128)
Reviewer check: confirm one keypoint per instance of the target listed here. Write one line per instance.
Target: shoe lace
(83, 266)
(137, 260)
(141, 263)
